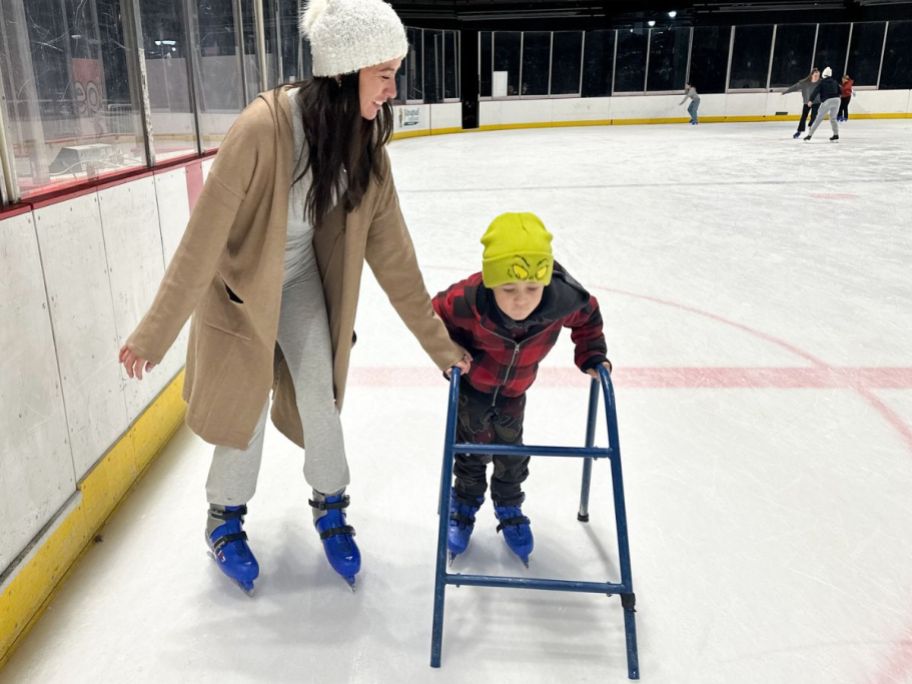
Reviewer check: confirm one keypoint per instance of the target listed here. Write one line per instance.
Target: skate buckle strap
(324, 506)
(466, 520)
(217, 544)
(220, 514)
(518, 520)
(333, 531)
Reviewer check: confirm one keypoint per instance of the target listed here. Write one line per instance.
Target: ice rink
(757, 298)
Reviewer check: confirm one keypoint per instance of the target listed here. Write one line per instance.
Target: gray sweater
(692, 94)
(806, 86)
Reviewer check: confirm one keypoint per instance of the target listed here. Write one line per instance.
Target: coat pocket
(222, 309)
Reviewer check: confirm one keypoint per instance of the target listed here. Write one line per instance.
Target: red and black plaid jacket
(506, 353)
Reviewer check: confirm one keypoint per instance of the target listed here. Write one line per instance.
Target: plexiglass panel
(565, 62)
(897, 61)
(506, 58)
(630, 73)
(864, 56)
(166, 50)
(668, 59)
(750, 59)
(450, 64)
(832, 43)
(485, 63)
(792, 54)
(71, 94)
(433, 66)
(221, 93)
(709, 58)
(536, 52)
(598, 63)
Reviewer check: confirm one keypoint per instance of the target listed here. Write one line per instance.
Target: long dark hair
(339, 141)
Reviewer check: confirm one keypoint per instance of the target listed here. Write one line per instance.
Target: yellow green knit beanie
(517, 248)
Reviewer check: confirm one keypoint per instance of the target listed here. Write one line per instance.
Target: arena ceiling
(623, 13)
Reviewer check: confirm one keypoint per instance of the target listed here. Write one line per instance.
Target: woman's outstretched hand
(134, 364)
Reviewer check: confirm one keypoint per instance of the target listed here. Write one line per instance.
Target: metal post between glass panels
(190, 53)
(239, 47)
(260, 27)
(9, 185)
(769, 70)
(731, 47)
(845, 66)
(883, 50)
(137, 59)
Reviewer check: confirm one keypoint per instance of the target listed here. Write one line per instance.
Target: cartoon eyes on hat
(518, 271)
(523, 270)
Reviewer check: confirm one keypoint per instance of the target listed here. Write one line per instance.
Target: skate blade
(246, 587)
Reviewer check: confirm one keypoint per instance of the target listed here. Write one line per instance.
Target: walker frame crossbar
(588, 453)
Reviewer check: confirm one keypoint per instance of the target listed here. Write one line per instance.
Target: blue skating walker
(624, 589)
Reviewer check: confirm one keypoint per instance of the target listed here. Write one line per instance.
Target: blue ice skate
(337, 537)
(462, 522)
(516, 531)
(228, 544)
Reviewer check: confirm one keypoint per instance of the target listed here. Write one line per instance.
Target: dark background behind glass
(750, 57)
(709, 58)
(598, 63)
(630, 72)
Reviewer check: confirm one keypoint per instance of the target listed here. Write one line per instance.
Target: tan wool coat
(228, 268)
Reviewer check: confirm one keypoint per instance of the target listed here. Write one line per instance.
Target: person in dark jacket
(828, 91)
(806, 85)
(508, 317)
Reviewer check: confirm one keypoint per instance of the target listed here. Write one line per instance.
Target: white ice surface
(770, 523)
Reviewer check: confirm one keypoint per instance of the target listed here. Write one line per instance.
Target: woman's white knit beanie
(348, 35)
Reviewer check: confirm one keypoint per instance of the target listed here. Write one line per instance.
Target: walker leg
(437, 630)
(628, 601)
(583, 515)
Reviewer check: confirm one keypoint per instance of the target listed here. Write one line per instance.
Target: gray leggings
(305, 343)
(829, 107)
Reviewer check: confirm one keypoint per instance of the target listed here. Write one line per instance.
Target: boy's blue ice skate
(516, 531)
(228, 544)
(462, 522)
(337, 537)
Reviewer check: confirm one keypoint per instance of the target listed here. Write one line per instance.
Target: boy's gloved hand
(594, 373)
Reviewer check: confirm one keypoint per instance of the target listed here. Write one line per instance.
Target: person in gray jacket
(806, 85)
(691, 92)
(828, 91)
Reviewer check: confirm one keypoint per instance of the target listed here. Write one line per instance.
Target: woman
(299, 196)
(806, 85)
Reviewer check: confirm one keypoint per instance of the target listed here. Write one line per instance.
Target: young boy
(509, 317)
